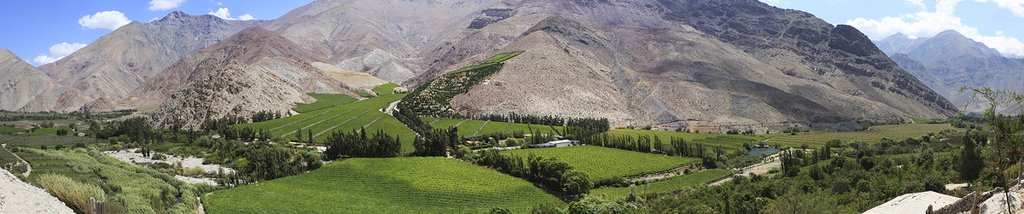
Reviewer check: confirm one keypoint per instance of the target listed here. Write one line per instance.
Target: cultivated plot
(393, 185)
(602, 163)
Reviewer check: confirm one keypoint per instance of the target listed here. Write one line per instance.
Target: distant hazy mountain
(117, 63)
(949, 61)
(20, 84)
(254, 70)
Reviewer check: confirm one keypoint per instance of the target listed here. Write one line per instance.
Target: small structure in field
(557, 144)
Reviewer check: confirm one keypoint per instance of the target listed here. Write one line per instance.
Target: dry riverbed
(132, 156)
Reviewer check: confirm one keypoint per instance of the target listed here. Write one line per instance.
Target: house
(557, 144)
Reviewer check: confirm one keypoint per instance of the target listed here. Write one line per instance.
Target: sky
(997, 23)
(42, 31)
(51, 29)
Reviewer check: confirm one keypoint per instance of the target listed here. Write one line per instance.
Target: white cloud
(106, 19)
(246, 17)
(918, 3)
(1015, 6)
(928, 24)
(57, 52)
(225, 13)
(155, 5)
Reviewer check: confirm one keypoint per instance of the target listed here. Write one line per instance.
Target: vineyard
(606, 163)
(664, 186)
(357, 115)
(479, 127)
(49, 141)
(10, 130)
(872, 135)
(394, 185)
(323, 101)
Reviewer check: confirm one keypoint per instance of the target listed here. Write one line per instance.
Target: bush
(71, 192)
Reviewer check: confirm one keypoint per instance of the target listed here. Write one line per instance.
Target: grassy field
(49, 141)
(11, 130)
(872, 135)
(346, 117)
(323, 101)
(664, 186)
(479, 127)
(602, 163)
(724, 140)
(394, 185)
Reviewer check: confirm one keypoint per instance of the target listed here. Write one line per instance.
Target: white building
(557, 144)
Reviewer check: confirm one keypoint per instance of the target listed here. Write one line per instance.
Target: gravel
(17, 196)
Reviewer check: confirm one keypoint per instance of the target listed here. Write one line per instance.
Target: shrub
(159, 157)
(71, 192)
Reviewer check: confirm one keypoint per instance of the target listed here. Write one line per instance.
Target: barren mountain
(949, 61)
(20, 83)
(386, 38)
(117, 63)
(695, 63)
(254, 70)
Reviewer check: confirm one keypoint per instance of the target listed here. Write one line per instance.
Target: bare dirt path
(28, 167)
(17, 196)
(665, 175)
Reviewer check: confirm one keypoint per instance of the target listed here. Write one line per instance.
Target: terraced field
(346, 117)
(664, 186)
(393, 185)
(434, 98)
(602, 163)
(479, 127)
(724, 140)
(872, 135)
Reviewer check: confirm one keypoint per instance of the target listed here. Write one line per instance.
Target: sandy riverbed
(131, 156)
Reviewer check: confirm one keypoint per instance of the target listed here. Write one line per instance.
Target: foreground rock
(17, 196)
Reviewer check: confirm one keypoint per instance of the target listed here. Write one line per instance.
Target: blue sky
(48, 30)
(997, 23)
(52, 28)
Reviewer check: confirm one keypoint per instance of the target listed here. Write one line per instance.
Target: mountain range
(950, 61)
(692, 63)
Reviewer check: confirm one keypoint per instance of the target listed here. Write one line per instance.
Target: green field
(393, 185)
(323, 101)
(602, 163)
(10, 130)
(872, 135)
(49, 141)
(479, 127)
(664, 186)
(725, 140)
(346, 117)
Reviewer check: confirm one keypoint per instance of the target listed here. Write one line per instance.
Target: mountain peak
(951, 34)
(175, 15)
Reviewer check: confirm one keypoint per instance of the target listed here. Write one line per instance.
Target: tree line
(554, 175)
(358, 144)
(648, 144)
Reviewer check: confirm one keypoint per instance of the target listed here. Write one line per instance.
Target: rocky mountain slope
(950, 61)
(696, 63)
(117, 63)
(21, 83)
(254, 70)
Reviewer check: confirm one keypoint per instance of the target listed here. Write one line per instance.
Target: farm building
(914, 203)
(557, 143)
